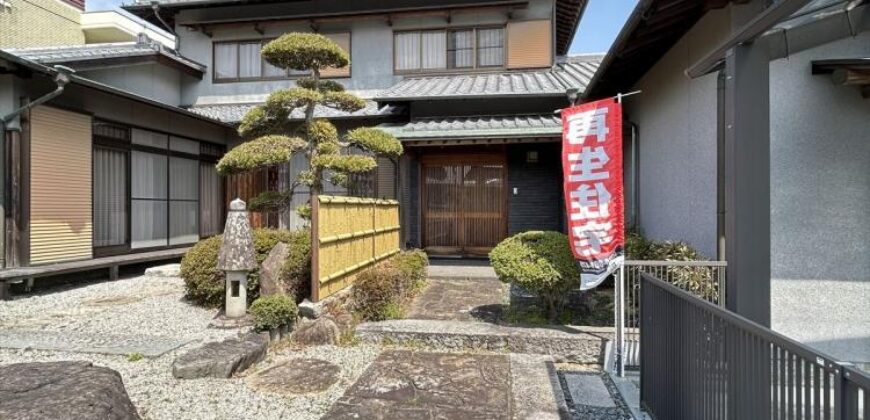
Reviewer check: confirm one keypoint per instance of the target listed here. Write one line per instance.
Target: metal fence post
(620, 322)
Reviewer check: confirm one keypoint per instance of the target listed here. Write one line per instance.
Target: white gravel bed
(155, 306)
(141, 305)
(158, 395)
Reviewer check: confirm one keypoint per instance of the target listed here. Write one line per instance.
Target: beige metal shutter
(60, 186)
(343, 41)
(529, 44)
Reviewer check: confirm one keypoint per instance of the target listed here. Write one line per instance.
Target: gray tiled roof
(504, 126)
(66, 54)
(233, 113)
(567, 73)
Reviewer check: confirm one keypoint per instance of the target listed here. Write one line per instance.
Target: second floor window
(434, 50)
(236, 61)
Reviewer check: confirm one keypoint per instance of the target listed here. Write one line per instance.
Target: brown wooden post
(315, 249)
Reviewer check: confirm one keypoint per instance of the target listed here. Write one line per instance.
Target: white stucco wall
(820, 204)
(676, 120)
(153, 81)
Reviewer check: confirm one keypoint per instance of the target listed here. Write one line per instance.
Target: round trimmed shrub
(205, 284)
(540, 262)
(273, 311)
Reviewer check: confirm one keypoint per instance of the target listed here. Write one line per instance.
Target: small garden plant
(540, 262)
(384, 291)
(274, 311)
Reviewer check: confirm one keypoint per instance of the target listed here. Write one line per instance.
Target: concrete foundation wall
(676, 119)
(820, 204)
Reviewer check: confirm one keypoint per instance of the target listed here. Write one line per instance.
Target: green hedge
(383, 291)
(698, 280)
(540, 262)
(205, 284)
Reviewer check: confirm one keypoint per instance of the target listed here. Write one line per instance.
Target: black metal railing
(705, 279)
(701, 361)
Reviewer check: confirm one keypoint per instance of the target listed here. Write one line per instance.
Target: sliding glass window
(153, 190)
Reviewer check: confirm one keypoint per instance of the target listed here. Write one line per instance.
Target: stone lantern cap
(237, 246)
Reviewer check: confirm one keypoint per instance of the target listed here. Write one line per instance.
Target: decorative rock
(321, 331)
(166, 270)
(309, 309)
(63, 390)
(270, 271)
(221, 359)
(297, 376)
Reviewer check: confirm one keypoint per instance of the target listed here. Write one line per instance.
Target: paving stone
(66, 341)
(537, 394)
(63, 390)
(421, 385)
(588, 390)
(221, 359)
(460, 299)
(297, 376)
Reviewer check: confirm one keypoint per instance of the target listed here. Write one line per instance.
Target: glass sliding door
(211, 199)
(110, 197)
(149, 200)
(183, 201)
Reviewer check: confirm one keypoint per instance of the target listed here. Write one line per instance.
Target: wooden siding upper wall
(530, 44)
(61, 226)
(343, 41)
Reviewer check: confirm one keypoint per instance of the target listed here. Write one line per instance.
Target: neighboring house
(812, 202)
(41, 23)
(469, 86)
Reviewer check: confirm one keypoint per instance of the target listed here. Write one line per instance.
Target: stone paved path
(404, 384)
(150, 346)
(460, 300)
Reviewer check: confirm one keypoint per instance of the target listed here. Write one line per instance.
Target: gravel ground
(154, 306)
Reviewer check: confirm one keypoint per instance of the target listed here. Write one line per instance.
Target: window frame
(447, 31)
(289, 74)
(127, 146)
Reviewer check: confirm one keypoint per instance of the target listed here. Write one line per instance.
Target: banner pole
(620, 295)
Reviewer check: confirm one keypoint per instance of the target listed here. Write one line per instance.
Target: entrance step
(564, 343)
(456, 269)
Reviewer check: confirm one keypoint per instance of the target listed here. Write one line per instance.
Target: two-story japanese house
(469, 86)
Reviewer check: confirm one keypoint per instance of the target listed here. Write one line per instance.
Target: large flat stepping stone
(221, 359)
(297, 376)
(591, 398)
(63, 390)
(460, 299)
(412, 384)
(147, 345)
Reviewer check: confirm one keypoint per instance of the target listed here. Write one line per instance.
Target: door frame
(463, 155)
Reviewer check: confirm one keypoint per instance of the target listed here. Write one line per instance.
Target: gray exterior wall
(677, 135)
(820, 204)
(537, 202)
(153, 81)
(371, 45)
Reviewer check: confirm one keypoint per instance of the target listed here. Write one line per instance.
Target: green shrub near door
(540, 262)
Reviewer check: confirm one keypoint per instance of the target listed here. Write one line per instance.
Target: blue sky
(600, 25)
(598, 29)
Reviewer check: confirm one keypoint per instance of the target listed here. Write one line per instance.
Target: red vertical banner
(594, 201)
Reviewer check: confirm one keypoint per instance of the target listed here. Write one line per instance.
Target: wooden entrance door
(464, 203)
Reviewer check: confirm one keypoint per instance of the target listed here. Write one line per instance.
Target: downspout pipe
(155, 6)
(61, 78)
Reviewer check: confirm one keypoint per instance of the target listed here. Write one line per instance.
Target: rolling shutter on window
(343, 41)
(529, 44)
(60, 186)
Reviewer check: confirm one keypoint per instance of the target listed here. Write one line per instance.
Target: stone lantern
(236, 259)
